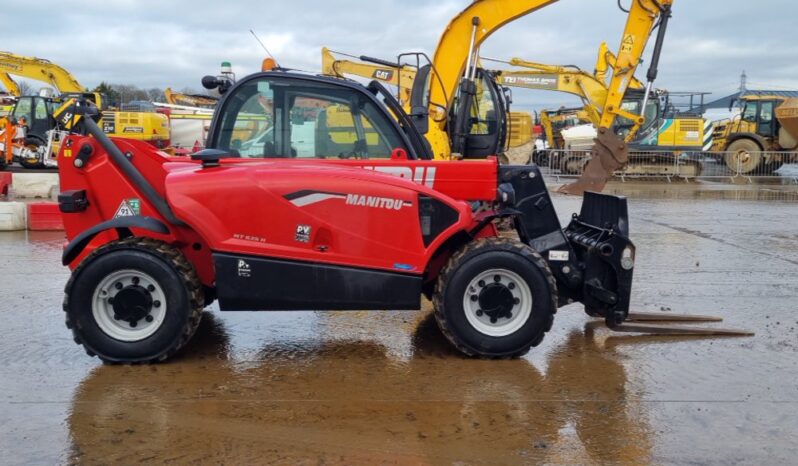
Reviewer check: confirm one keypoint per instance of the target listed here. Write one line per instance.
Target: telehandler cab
(280, 213)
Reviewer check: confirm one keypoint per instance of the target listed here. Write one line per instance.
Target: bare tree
(25, 88)
(155, 95)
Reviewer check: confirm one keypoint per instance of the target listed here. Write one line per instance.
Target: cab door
(485, 128)
(766, 126)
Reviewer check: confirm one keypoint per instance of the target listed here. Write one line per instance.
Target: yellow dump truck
(762, 138)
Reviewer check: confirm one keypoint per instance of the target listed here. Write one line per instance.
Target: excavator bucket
(609, 154)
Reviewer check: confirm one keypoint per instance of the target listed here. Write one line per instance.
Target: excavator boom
(454, 50)
(40, 70)
(11, 86)
(400, 76)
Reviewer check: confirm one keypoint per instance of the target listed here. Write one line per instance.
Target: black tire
(744, 155)
(502, 254)
(170, 270)
(541, 158)
(33, 143)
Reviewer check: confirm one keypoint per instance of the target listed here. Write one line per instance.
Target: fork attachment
(638, 322)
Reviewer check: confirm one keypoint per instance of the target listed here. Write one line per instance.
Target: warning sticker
(128, 208)
(627, 43)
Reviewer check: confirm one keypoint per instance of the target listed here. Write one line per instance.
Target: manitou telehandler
(276, 215)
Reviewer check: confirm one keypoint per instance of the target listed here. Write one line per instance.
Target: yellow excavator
(37, 133)
(659, 139)
(189, 100)
(453, 85)
(402, 76)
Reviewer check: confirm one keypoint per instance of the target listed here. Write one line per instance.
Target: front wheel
(133, 300)
(496, 298)
(30, 154)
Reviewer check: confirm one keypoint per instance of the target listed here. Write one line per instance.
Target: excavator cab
(632, 102)
(481, 117)
(37, 112)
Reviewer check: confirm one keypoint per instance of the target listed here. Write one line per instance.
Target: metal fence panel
(781, 167)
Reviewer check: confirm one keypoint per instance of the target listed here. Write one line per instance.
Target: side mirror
(420, 118)
(213, 82)
(508, 96)
(731, 104)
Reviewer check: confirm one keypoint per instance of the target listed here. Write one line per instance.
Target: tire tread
(475, 248)
(171, 256)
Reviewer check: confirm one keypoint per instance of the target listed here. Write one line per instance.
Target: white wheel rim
(497, 326)
(104, 312)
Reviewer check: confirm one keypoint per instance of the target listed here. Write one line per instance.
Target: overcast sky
(174, 43)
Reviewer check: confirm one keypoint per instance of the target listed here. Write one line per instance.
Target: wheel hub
(132, 304)
(129, 305)
(497, 301)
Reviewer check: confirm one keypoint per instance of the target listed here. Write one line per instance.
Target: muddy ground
(385, 388)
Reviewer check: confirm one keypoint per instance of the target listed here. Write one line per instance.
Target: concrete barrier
(35, 185)
(44, 216)
(13, 216)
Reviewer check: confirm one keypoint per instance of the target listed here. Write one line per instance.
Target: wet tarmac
(386, 388)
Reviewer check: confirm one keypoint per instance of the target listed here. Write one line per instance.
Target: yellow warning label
(627, 43)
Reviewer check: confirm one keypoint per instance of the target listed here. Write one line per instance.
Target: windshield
(286, 118)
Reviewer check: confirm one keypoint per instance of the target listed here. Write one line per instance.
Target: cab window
(765, 119)
(484, 116)
(272, 117)
(40, 110)
(749, 112)
(24, 107)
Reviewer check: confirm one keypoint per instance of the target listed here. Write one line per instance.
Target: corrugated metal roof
(726, 101)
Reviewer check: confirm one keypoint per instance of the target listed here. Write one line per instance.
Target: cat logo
(382, 75)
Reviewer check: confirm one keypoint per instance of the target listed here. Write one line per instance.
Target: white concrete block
(13, 216)
(35, 185)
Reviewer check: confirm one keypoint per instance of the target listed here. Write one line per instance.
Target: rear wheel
(744, 156)
(133, 300)
(496, 298)
(29, 155)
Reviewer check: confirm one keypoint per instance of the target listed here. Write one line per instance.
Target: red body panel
(355, 217)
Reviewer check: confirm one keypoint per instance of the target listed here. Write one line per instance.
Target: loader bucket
(609, 154)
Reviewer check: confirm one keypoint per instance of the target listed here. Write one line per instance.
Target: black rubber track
(472, 249)
(171, 256)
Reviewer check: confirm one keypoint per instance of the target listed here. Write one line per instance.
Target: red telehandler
(320, 193)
